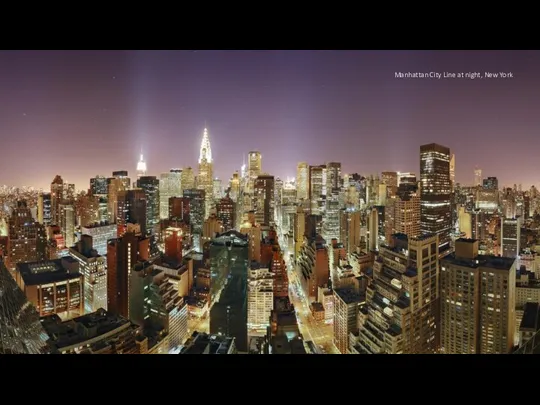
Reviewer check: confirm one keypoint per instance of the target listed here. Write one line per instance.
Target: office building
(331, 220)
(402, 212)
(20, 329)
(317, 188)
(510, 236)
(279, 269)
(350, 230)
(187, 179)
(122, 255)
(477, 301)
(44, 209)
(100, 234)
(225, 209)
(132, 209)
(67, 223)
(333, 177)
(116, 184)
(228, 289)
(263, 197)
(197, 214)
(390, 179)
(205, 177)
(452, 171)
(93, 268)
(98, 186)
(491, 183)
(254, 164)
(179, 208)
(477, 177)
(53, 287)
(435, 207)
(302, 181)
(170, 185)
(150, 185)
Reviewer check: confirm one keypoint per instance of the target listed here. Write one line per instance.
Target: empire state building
(205, 177)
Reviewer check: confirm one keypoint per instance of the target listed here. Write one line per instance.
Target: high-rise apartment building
(435, 206)
(131, 206)
(346, 302)
(170, 185)
(302, 181)
(390, 179)
(228, 287)
(179, 208)
(402, 299)
(115, 184)
(263, 199)
(477, 301)
(93, 268)
(260, 299)
(511, 236)
(100, 233)
(312, 266)
(350, 230)
(279, 269)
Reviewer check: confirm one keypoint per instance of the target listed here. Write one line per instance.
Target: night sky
(82, 113)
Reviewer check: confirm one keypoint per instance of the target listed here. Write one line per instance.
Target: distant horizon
(84, 113)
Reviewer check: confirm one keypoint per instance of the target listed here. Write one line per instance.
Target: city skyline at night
(83, 113)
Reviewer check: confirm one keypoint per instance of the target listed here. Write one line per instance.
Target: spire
(206, 151)
(141, 166)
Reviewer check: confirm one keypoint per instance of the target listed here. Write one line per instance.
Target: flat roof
(203, 343)
(348, 295)
(56, 273)
(531, 316)
(490, 262)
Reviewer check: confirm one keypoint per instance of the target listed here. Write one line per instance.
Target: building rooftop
(466, 240)
(203, 343)
(348, 295)
(531, 317)
(81, 329)
(317, 307)
(492, 262)
(50, 271)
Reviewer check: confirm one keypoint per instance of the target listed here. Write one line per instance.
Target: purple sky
(82, 113)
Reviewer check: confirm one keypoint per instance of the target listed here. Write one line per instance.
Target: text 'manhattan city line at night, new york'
(322, 263)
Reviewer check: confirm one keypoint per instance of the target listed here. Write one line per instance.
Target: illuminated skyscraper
(453, 171)
(477, 177)
(98, 186)
(132, 210)
(391, 181)
(67, 223)
(402, 212)
(235, 186)
(226, 213)
(119, 182)
(491, 183)
(316, 183)
(170, 185)
(150, 185)
(510, 237)
(302, 181)
(435, 208)
(254, 164)
(141, 167)
(333, 177)
(188, 179)
(57, 195)
(205, 179)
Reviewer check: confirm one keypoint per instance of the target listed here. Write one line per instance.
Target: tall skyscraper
(98, 186)
(435, 207)
(228, 287)
(44, 209)
(477, 176)
(115, 184)
(260, 300)
(141, 167)
(510, 236)
(491, 183)
(188, 179)
(179, 208)
(350, 230)
(205, 179)
(170, 185)
(57, 196)
(20, 329)
(302, 181)
(150, 185)
(197, 215)
(316, 183)
(264, 199)
(390, 179)
(225, 209)
(234, 186)
(333, 177)
(122, 255)
(254, 164)
(131, 210)
(477, 301)
(453, 171)
(67, 223)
